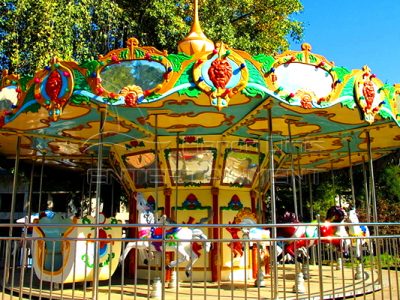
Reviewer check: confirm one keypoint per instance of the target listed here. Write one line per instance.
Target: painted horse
(360, 241)
(177, 239)
(360, 233)
(256, 235)
(308, 235)
(235, 245)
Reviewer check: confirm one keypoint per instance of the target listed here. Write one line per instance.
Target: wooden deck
(335, 284)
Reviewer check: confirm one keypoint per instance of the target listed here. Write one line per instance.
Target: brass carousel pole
(98, 191)
(273, 206)
(12, 211)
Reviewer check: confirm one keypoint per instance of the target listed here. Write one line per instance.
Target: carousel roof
(320, 112)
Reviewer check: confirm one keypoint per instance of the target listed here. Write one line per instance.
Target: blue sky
(354, 33)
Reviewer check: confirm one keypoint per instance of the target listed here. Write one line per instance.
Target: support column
(98, 192)
(12, 211)
(132, 232)
(215, 251)
(254, 261)
(168, 255)
(274, 286)
(253, 196)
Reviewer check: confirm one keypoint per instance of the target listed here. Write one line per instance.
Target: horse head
(353, 217)
(336, 214)
(141, 203)
(288, 217)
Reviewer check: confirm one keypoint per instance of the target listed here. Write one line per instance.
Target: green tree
(389, 183)
(33, 31)
(251, 25)
(323, 198)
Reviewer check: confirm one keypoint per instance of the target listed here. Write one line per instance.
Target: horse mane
(245, 216)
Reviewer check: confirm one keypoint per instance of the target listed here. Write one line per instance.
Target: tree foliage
(390, 183)
(33, 31)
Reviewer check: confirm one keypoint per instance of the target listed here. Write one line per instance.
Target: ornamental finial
(196, 41)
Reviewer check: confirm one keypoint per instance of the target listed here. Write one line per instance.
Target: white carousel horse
(360, 233)
(360, 241)
(256, 236)
(179, 239)
(251, 231)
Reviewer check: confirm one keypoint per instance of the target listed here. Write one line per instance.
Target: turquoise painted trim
(341, 99)
(264, 89)
(25, 106)
(121, 100)
(390, 113)
(171, 91)
(90, 95)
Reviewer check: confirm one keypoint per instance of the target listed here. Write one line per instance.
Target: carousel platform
(323, 283)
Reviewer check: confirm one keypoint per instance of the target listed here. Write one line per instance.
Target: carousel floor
(335, 284)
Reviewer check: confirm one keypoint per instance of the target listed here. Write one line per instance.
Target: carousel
(199, 136)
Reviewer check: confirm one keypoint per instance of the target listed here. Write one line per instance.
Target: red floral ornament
(249, 141)
(189, 139)
(134, 143)
(53, 85)
(369, 93)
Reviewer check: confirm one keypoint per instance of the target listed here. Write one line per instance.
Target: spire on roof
(196, 41)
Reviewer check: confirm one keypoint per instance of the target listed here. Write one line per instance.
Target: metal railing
(233, 268)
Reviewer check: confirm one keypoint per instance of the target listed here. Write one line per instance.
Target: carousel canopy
(207, 96)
